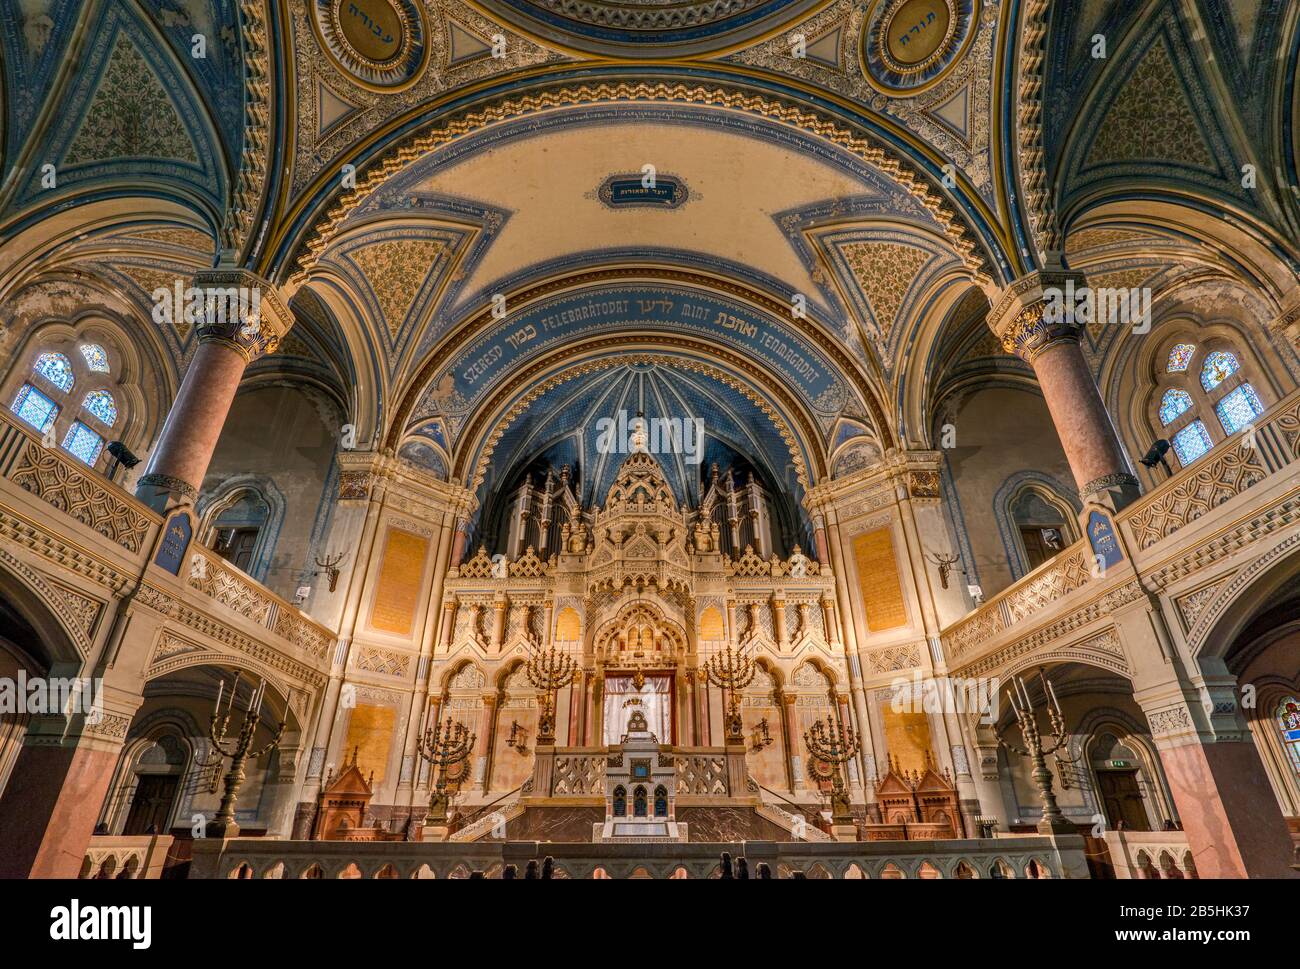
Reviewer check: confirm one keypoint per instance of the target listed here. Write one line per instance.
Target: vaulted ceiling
(874, 168)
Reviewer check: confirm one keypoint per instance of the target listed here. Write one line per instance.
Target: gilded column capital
(240, 310)
(1032, 313)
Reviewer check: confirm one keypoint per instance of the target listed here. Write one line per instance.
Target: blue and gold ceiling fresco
(880, 165)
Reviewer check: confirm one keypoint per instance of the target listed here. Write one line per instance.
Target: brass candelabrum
(549, 670)
(239, 750)
(730, 670)
(835, 745)
(443, 745)
(1052, 821)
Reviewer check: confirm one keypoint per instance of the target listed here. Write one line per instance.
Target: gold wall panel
(398, 591)
(568, 626)
(711, 627)
(882, 593)
(907, 736)
(370, 731)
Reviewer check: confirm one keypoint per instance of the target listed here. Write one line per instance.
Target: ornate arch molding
(249, 188)
(502, 405)
(638, 612)
(51, 610)
(297, 701)
(1240, 597)
(1054, 492)
(485, 444)
(1101, 650)
(321, 228)
(226, 496)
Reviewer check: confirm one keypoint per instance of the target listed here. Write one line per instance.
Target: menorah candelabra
(834, 744)
(1052, 821)
(443, 745)
(549, 670)
(239, 750)
(729, 670)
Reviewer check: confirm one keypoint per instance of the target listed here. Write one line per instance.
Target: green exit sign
(1119, 763)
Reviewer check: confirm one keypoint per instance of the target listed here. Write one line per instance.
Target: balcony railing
(125, 531)
(1028, 856)
(1151, 528)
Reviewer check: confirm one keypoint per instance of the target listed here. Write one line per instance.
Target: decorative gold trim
(417, 146)
(468, 330)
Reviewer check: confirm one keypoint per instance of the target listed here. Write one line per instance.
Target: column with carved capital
(1222, 793)
(1034, 321)
(243, 319)
(57, 786)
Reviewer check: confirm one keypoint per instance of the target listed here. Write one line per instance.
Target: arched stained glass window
(1179, 357)
(1192, 442)
(96, 358)
(101, 404)
(1288, 721)
(1239, 408)
(83, 443)
(56, 368)
(1173, 403)
(1219, 366)
(35, 408)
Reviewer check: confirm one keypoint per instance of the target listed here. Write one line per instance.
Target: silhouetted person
(548, 867)
(797, 874)
(742, 868)
(726, 865)
(476, 874)
(509, 873)
(530, 870)
(763, 870)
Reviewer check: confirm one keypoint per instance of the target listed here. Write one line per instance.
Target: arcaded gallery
(577, 439)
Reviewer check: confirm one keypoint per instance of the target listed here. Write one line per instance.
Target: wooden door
(1122, 799)
(152, 804)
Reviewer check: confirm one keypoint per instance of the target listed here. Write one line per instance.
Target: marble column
(1224, 799)
(232, 333)
(1033, 321)
(55, 791)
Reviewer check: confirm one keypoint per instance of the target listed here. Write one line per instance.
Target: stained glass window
(35, 408)
(1192, 442)
(101, 404)
(96, 358)
(1219, 366)
(56, 368)
(83, 443)
(1179, 357)
(1288, 721)
(1239, 408)
(1173, 403)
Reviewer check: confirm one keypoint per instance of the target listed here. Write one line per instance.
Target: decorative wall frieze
(893, 659)
(60, 554)
(385, 662)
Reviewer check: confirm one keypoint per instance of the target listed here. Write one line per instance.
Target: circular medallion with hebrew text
(379, 43)
(907, 45)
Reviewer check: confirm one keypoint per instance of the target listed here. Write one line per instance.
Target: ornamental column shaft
(241, 318)
(1035, 320)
